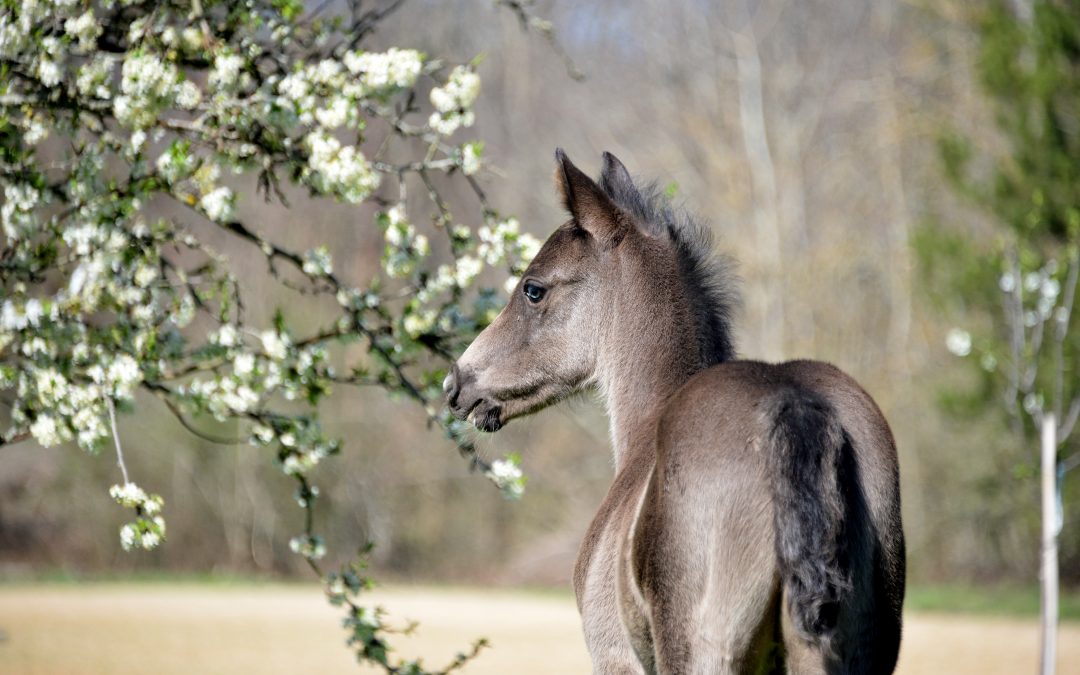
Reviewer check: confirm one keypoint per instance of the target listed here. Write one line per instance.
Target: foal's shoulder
(759, 377)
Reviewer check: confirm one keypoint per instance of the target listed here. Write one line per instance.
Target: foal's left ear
(615, 180)
(590, 206)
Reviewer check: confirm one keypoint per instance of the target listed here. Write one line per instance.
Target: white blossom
(12, 317)
(33, 311)
(148, 84)
(453, 101)
(467, 269)
(339, 170)
(35, 132)
(274, 344)
(218, 204)
(396, 68)
(507, 475)
(127, 536)
(460, 91)
(1050, 288)
(418, 323)
(123, 374)
(958, 342)
(309, 547)
(317, 262)
(93, 77)
(84, 28)
(470, 158)
(188, 95)
(145, 275)
(129, 495)
(1033, 404)
(528, 247)
(334, 114)
(244, 364)
(226, 70)
(226, 336)
(49, 72)
(45, 430)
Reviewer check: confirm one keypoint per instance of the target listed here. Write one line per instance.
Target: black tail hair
(804, 445)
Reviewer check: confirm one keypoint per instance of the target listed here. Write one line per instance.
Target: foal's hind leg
(800, 656)
(706, 569)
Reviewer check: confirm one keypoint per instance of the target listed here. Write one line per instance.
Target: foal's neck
(652, 352)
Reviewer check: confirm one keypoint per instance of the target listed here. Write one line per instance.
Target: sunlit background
(806, 133)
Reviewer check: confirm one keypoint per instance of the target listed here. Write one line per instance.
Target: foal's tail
(805, 442)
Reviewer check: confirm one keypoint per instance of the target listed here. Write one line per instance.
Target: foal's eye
(533, 291)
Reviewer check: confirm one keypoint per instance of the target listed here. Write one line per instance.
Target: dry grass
(195, 629)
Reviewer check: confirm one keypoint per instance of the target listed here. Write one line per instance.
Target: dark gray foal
(753, 525)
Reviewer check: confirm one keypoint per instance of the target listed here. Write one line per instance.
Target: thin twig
(116, 439)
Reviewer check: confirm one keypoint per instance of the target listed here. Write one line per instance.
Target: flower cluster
(57, 408)
(148, 528)
(503, 242)
(453, 101)
(506, 473)
(317, 262)
(471, 157)
(338, 170)
(111, 279)
(405, 249)
(311, 547)
(384, 72)
(149, 86)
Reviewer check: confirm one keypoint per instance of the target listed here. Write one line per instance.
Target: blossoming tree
(1029, 68)
(108, 108)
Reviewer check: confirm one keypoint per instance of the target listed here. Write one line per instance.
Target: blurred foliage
(991, 599)
(1012, 281)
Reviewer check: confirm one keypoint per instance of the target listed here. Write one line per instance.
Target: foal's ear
(590, 206)
(615, 180)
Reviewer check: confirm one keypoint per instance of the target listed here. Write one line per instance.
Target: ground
(109, 629)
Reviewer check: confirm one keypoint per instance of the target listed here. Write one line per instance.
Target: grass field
(167, 629)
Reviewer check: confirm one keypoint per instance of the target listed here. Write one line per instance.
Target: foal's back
(770, 531)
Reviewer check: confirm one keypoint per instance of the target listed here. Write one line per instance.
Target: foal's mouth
(486, 416)
(482, 413)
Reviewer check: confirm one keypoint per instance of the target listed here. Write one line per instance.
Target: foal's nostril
(450, 385)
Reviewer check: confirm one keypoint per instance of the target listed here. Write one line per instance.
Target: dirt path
(194, 630)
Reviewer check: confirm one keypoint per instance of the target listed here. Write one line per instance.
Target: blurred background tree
(1015, 281)
(1029, 69)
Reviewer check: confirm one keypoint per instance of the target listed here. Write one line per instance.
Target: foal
(753, 525)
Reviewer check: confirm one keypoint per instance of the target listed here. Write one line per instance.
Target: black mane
(708, 276)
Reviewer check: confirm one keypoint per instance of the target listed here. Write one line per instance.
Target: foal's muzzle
(466, 402)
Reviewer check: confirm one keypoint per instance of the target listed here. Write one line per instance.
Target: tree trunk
(1049, 576)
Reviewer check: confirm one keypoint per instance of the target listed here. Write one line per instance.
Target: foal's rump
(770, 528)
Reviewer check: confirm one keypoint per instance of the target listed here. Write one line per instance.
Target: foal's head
(625, 272)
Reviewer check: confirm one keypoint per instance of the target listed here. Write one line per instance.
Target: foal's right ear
(591, 208)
